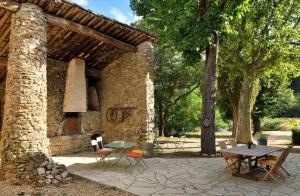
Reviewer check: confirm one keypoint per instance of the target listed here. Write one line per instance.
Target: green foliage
(259, 44)
(282, 124)
(221, 122)
(185, 116)
(275, 97)
(261, 38)
(174, 80)
(295, 84)
(293, 111)
(188, 25)
(296, 136)
(272, 124)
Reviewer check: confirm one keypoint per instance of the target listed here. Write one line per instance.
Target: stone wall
(126, 96)
(2, 100)
(56, 81)
(69, 144)
(56, 76)
(126, 91)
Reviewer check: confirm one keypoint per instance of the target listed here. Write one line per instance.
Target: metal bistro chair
(135, 157)
(100, 150)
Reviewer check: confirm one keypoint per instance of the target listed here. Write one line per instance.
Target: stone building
(67, 73)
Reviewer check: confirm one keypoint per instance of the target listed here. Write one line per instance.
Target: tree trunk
(235, 110)
(234, 96)
(256, 124)
(209, 99)
(161, 123)
(248, 94)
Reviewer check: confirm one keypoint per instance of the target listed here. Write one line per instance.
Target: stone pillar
(145, 57)
(24, 143)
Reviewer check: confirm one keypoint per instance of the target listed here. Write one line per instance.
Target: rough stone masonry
(34, 96)
(24, 143)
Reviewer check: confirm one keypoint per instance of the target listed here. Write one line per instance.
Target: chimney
(75, 91)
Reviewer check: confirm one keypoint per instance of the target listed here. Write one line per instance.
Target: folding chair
(231, 159)
(135, 158)
(99, 150)
(274, 157)
(271, 166)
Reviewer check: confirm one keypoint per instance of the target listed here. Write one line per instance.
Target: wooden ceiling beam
(83, 30)
(75, 27)
(90, 72)
(3, 61)
(10, 5)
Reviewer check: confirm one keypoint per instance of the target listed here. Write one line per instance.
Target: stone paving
(182, 176)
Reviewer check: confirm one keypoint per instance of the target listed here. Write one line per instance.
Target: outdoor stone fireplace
(72, 124)
(66, 77)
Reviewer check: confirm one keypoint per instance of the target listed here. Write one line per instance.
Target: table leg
(250, 174)
(238, 170)
(250, 166)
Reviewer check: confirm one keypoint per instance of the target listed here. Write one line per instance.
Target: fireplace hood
(75, 99)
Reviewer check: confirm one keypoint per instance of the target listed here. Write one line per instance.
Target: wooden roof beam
(90, 72)
(75, 27)
(10, 5)
(84, 30)
(3, 61)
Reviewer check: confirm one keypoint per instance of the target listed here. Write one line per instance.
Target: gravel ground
(76, 187)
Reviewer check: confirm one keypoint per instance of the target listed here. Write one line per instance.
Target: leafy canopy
(188, 24)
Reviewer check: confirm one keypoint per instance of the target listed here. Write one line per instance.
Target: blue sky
(115, 9)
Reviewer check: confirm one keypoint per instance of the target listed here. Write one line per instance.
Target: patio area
(181, 176)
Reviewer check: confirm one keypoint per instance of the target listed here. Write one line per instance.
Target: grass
(282, 124)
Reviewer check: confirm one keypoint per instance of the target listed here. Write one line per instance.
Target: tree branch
(170, 105)
(183, 95)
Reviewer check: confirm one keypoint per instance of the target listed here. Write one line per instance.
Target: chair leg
(144, 163)
(101, 159)
(269, 173)
(280, 174)
(136, 164)
(230, 164)
(285, 171)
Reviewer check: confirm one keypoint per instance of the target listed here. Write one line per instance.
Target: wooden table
(120, 147)
(252, 154)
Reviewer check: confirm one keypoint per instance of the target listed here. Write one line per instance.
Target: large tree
(260, 40)
(194, 27)
(174, 81)
(174, 77)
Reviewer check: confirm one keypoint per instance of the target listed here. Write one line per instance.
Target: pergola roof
(76, 32)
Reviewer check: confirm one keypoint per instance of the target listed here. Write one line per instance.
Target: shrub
(296, 136)
(292, 112)
(269, 124)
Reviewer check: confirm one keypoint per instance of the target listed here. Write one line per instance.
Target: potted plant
(262, 139)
